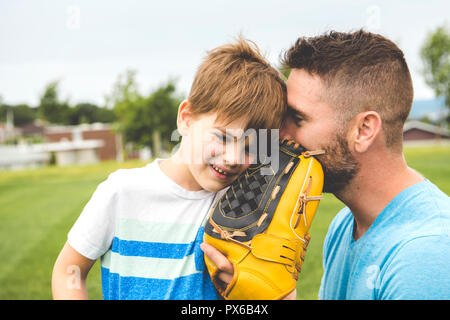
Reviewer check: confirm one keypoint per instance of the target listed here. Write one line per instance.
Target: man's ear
(184, 117)
(367, 126)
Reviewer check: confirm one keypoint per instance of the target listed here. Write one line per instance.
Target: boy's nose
(233, 155)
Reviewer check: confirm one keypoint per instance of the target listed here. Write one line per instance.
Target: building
(111, 142)
(64, 145)
(416, 131)
(66, 153)
(16, 157)
(34, 128)
(7, 130)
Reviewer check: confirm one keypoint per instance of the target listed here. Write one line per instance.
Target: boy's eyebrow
(297, 112)
(227, 132)
(224, 131)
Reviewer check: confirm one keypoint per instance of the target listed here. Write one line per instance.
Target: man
(350, 94)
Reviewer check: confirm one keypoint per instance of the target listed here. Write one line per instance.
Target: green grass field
(38, 208)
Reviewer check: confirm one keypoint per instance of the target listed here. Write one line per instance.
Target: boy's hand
(226, 267)
(222, 263)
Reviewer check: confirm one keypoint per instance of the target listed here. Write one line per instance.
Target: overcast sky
(87, 44)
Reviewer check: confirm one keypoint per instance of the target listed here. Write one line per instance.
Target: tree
(160, 109)
(90, 113)
(83, 113)
(50, 108)
(285, 71)
(435, 54)
(144, 120)
(22, 113)
(124, 101)
(105, 115)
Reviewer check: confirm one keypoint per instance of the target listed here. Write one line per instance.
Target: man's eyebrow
(297, 112)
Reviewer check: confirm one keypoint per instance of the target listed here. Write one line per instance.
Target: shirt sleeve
(93, 232)
(419, 271)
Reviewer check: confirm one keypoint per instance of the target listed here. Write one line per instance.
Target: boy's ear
(184, 117)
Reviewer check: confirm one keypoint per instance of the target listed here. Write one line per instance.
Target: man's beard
(339, 166)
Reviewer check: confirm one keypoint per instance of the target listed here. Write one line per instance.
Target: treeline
(52, 109)
(144, 119)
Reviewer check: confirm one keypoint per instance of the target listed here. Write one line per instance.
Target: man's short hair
(361, 71)
(236, 81)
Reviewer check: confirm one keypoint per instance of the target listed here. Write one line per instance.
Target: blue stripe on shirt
(136, 288)
(157, 249)
(152, 249)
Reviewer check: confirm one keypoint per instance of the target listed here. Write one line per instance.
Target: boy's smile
(222, 172)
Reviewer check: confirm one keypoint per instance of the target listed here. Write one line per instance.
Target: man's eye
(298, 121)
(294, 117)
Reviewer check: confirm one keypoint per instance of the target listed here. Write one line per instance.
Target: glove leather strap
(275, 249)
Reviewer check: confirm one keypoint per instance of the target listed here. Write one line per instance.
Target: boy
(146, 224)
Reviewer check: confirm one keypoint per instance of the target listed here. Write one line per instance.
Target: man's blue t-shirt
(405, 254)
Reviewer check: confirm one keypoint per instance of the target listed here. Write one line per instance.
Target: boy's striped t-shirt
(147, 231)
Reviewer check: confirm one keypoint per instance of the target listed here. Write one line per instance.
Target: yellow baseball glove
(261, 225)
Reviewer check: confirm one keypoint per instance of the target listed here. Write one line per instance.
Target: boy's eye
(250, 148)
(226, 139)
(221, 137)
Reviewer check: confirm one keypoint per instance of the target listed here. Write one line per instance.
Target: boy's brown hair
(361, 71)
(237, 82)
